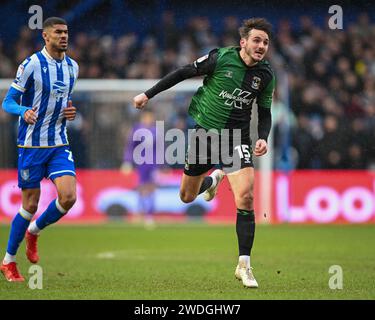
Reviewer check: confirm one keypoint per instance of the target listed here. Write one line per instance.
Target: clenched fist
(70, 111)
(260, 147)
(140, 101)
(30, 116)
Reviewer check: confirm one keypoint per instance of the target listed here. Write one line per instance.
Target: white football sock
(9, 258)
(33, 228)
(244, 260)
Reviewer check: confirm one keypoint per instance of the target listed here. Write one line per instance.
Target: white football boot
(244, 272)
(217, 175)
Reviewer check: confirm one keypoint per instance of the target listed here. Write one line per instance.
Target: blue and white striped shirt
(46, 84)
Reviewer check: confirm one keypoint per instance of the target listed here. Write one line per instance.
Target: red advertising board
(297, 197)
(100, 193)
(324, 197)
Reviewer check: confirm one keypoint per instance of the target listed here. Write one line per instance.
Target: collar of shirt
(48, 56)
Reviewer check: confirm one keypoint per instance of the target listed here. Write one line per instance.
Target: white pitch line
(106, 255)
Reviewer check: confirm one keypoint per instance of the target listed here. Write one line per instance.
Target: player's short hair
(51, 21)
(255, 23)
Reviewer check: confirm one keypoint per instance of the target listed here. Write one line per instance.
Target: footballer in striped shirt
(41, 97)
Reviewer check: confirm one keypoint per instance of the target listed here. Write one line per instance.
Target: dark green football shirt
(229, 90)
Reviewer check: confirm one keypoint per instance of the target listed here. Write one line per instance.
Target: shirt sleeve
(264, 102)
(202, 66)
(24, 73)
(265, 98)
(264, 122)
(10, 103)
(76, 70)
(206, 65)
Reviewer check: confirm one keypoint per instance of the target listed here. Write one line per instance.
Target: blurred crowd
(331, 76)
(324, 105)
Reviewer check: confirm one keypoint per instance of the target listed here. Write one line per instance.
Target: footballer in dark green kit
(235, 78)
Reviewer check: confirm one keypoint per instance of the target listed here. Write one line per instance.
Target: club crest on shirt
(255, 84)
(59, 90)
(25, 174)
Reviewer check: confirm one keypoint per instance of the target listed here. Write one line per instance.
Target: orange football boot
(11, 272)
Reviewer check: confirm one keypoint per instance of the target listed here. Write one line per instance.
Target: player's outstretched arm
(202, 66)
(165, 83)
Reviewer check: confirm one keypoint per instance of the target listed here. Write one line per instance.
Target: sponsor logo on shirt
(238, 98)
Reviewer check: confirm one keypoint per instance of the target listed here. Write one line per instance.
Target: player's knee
(30, 206)
(30, 202)
(67, 200)
(187, 197)
(245, 200)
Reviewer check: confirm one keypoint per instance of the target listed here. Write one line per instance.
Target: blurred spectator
(331, 148)
(304, 143)
(8, 154)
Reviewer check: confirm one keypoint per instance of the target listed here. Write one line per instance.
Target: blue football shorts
(34, 164)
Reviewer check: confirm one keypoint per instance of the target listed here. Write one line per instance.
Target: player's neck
(247, 59)
(55, 54)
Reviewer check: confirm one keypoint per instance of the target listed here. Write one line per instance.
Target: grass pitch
(196, 261)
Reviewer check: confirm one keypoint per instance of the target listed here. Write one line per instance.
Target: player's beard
(61, 48)
(257, 56)
(250, 53)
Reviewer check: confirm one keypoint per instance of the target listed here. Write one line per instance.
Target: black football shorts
(230, 150)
